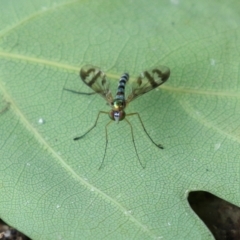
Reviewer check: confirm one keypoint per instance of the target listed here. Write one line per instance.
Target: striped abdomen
(120, 95)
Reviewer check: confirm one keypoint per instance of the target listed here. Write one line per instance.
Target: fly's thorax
(118, 104)
(117, 115)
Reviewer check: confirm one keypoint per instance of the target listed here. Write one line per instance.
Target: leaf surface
(50, 185)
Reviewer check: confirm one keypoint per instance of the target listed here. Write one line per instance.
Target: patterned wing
(148, 80)
(96, 79)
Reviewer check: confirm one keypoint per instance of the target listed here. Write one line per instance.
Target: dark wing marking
(149, 80)
(96, 79)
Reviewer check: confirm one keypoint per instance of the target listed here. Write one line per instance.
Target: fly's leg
(105, 144)
(77, 138)
(134, 143)
(157, 145)
(82, 93)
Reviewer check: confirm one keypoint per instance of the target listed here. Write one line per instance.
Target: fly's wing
(148, 80)
(96, 79)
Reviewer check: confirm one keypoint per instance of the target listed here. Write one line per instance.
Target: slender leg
(105, 145)
(77, 138)
(157, 145)
(82, 93)
(134, 143)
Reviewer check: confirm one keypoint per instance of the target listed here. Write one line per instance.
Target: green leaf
(50, 185)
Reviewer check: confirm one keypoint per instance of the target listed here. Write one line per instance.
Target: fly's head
(117, 113)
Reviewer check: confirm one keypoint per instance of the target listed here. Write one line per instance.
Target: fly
(96, 79)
